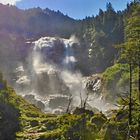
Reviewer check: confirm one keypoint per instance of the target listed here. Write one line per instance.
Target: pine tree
(130, 50)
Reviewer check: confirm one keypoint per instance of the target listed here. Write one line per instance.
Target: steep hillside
(21, 120)
(35, 22)
(100, 34)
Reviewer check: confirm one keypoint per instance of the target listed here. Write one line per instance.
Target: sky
(77, 9)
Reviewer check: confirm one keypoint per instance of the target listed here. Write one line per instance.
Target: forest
(68, 79)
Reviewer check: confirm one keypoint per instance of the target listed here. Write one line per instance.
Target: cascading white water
(51, 77)
(51, 73)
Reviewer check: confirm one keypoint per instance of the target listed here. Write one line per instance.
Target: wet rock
(40, 105)
(58, 101)
(22, 81)
(31, 99)
(58, 111)
(94, 83)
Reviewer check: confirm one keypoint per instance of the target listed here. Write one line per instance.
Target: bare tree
(86, 100)
(81, 99)
(69, 103)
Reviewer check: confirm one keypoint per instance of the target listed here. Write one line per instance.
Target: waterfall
(50, 78)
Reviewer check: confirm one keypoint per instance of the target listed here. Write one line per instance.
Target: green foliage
(130, 48)
(104, 31)
(123, 112)
(116, 80)
(116, 131)
(111, 73)
(31, 123)
(28, 122)
(118, 126)
(98, 120)
(130, 53)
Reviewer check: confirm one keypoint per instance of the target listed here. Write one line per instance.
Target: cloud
(11, 2)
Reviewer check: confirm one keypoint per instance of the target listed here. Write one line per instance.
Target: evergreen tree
(109, 7)
(130, 50)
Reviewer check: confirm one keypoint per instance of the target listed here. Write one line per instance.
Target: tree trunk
(69, 103)
(85, 102)
(139, 73)
(130, 98)
(139, 97)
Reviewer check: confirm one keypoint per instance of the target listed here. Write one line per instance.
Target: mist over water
(50, 77)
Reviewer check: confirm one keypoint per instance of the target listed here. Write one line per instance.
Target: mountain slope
(35, 22)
